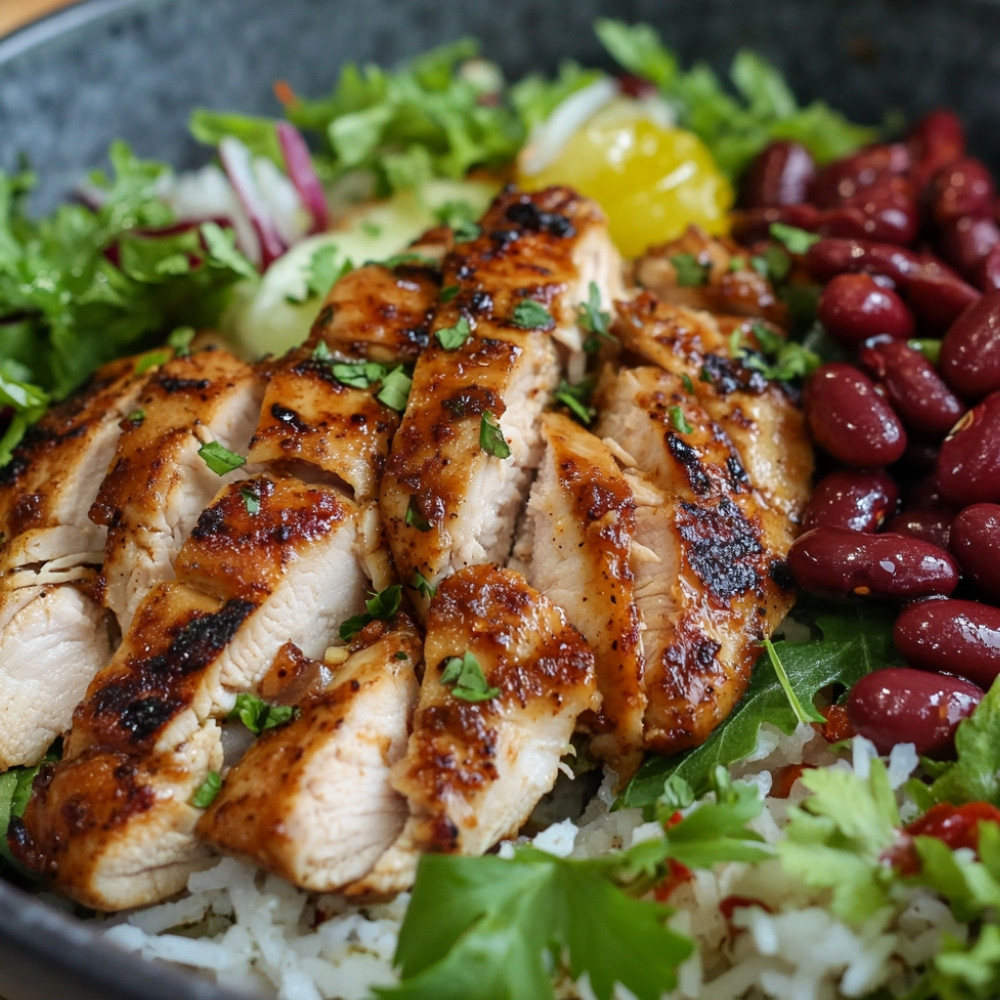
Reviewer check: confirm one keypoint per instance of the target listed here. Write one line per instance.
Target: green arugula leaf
(491, 438)
(382, 605)
(802, 707)
(257, 715)
(852, 641)
(219, 459)
(15, 790)
(465, 677)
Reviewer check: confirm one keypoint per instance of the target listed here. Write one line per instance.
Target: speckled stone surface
(134, 68)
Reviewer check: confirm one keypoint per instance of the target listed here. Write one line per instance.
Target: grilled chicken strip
(764, 424)
(505, 680)
(271, 561)
(311, 800)
(707, 583)
(451, 493)
(576, 548)
(730, 285)
(158, 483)
(53, 637)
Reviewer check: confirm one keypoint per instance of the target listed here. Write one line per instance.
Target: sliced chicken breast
(707, 584)
(463, 458)
(576, 548)
(506, 678)
(311, 800)
(158, 483)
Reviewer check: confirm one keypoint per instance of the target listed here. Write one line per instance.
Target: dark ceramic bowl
(133, 68)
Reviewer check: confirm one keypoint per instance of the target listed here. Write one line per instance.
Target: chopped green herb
(372, 229)
(251, 500)
(382, 606)
(401, 655)
(357, 374)
(137, 416)
(491, 438)
(465, 677)
(152, 360)
(423, 585)
(576, 398)
(257, 715)
(802, 707)
(322, 353)
(691, 272)
(180, 340)
(204, 795)
(408, 259)
(415, 519)
(678, 421)
(686, 382)
(770, 342)
(449, 292)
(794, 240)
(219, 459)
(460, 217)
(930, 349)
(451, 338)
(325, 268)
(531, 315)
(395, 389)
(15, 790)
(793, 360)
(773, 264)
(594, 320)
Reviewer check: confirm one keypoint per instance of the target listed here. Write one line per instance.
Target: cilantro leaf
(325, 268)
(491, 438)
(465, 677)
(382, 605)
(531, 315)
(219, 459)
(794, 240)
(852, 641)
(678, 421)
(594, 320)
(421, 584)
(205, 794)
(690, 272)
(451, 338)
(395, 389)
(576, 398)
(257, 715)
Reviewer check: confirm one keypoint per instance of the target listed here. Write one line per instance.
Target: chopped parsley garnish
(592, 319)
(395, 389)
(152, 360)
(257, 715)
(356, 374)
(408, 259)
(691, 272)
(773, 264)
(401, 655)
(678, 421)
(370, 228)
(794, 240)
(451, 338)
(421, 584)
(219, 459)
(465, 677)
(415, 519)
(251, 500)
(394, 383)
(460, 218)
(531, 315)
(325, 268)
(382, 606)
(180, 340)
(137, 416)
(491, 438)
(686, 382)
(205, 794)
(576, 398)
(448, 293)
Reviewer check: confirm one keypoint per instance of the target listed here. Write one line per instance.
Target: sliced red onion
(298, 162)
(238, 165)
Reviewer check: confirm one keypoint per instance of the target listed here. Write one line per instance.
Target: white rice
(261, 935)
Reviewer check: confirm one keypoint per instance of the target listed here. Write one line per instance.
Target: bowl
(133, 69)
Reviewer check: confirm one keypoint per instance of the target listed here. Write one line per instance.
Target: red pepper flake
(837, 726)
(284, 93)
(781, 786)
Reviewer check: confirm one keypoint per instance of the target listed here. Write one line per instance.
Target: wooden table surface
(15, 13)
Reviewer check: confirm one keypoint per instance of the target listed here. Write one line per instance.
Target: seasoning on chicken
(505, 680)
(708, 588)
(462, 460)
(272, 560)
(158, 482)
(576, 548)
(53, 637)
(311, 800)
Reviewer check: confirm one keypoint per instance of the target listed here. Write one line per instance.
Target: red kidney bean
(849, 419)
(856, 499)
(903, 705)
(936, 293)
(988, 273)
(968, 466)
(886, 212)
(962, 188)
(920, 455)
(932, 525)
(975, 543)
(966, 243)
(917, 393)
(838, 182)
(854, 308)
(779, 175)
(959, 637)
(837, 563)
(754, 224)
(970, 351)
(935, 140)
(925, 495)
